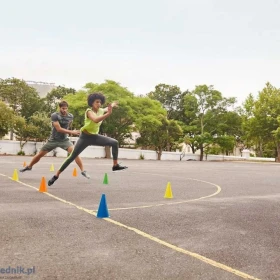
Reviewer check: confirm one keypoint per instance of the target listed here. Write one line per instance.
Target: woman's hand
(115, 104)
(110, 109)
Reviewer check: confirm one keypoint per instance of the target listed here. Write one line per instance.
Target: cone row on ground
(102, 209)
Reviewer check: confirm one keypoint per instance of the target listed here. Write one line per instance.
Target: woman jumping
(89, 133)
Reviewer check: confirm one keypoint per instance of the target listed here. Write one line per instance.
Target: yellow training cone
(75, 172)
(15, 175)
(52, 168)
(168, 191)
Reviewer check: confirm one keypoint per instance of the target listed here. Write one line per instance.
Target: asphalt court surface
(222, 222)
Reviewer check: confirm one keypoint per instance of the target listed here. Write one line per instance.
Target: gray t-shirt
(64, 122)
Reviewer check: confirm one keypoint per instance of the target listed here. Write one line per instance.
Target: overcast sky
(233, 45)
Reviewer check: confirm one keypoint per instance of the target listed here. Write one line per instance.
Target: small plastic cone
(168, 191)
(75, 172)
(43, 185)
(15, 175)
(105, 180)
(103, 209)
(52, 168)
(24, 164)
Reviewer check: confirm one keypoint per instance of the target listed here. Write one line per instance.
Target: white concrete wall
(12, 148)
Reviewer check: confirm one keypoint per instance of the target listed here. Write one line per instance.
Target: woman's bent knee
(115, 143)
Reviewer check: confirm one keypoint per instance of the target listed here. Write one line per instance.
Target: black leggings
(86, 140)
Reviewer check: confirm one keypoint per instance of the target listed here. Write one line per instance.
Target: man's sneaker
(119, 167)
(84, 173)
(25, 169)
(52, 180)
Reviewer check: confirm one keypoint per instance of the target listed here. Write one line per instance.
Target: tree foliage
(171, 99)
(6, 119)
(23, 99)
(261, 121)
(207, 111)
(157, 132)
(54, 97)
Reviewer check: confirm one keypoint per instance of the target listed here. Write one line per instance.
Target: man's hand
(75, 132)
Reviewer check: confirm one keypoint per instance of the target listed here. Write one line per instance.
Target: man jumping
(61, 121)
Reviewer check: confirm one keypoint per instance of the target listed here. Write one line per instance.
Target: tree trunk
(108, 152)
(261, 150)
(12, 134)
(201, 153)
(278, 152)
(168, 146)
(21, 144)
(159, 153)
(193, 149)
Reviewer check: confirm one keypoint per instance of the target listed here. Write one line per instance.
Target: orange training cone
(75, 172)
(43, 185)
(24, 164)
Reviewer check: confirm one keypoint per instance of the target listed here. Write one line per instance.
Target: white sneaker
(84, 173)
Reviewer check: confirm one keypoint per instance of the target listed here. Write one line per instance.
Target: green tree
(204, 107)
(266, 112)
(6, 119)
(23, 99)
(260, 122)
(196, 141)
(171, 99)
(24, 131)
(43, 127)
(157, 132)
(226, 143)
(54, 97)
(253, 136)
